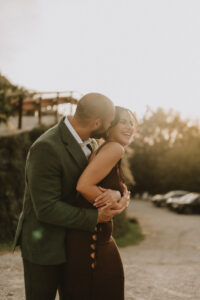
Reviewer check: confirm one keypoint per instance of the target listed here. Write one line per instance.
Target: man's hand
(113, 198)
(124, 201)
(124, 187)
(107, 197)
(106, 213)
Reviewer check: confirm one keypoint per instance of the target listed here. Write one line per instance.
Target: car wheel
(187, 210)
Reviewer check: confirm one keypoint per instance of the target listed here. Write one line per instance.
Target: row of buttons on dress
(93, 246)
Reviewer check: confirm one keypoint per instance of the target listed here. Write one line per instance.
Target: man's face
(105, 124)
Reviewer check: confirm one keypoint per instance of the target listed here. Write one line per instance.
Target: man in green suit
(54, 163)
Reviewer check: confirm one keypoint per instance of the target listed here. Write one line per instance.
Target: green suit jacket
(54, 163)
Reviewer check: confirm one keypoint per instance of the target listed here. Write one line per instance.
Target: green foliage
(132, 237)
(5, 83)
(13, 151)
(127, 174)
(121, 225)
(7, 109)
(166, 153)
(5, 105)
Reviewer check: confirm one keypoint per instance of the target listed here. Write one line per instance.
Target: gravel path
(165, 266)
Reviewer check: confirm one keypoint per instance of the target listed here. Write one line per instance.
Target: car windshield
(174, 194)
(190, 197)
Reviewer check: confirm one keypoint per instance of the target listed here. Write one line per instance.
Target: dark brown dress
(94, 267)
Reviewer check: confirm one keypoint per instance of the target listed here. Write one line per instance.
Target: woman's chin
(125, 142)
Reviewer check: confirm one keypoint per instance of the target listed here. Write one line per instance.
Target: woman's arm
(98, 169)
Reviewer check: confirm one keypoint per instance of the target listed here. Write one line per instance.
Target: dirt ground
(165, 266)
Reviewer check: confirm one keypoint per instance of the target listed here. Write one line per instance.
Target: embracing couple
(73, 189)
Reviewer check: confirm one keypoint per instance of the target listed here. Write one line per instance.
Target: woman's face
(123, 131)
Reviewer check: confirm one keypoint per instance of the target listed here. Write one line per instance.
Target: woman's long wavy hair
(118, 111)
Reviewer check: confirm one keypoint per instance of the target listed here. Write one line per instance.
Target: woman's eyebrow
(123, 119)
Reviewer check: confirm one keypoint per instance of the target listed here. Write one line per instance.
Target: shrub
(13, 151)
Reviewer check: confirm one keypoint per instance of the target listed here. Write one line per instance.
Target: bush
(13, 151)
(121, 225)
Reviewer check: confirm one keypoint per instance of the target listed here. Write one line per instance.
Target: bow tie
(89, 146)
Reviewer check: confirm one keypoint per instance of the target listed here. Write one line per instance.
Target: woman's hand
(108, 197)
(107, 212)
(113, 199)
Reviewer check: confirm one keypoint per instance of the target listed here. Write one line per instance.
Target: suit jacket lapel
(72, 145)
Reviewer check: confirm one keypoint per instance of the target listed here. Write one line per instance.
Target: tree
(166, 153)
(7, 108)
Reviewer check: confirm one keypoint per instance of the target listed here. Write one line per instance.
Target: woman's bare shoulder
(114, 148)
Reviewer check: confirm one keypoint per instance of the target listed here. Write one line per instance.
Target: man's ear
(95, 123)
(98, 123)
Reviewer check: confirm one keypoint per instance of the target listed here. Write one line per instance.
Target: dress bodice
(111, 181)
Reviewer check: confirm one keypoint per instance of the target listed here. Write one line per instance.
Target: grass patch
(132, 237)
(5, 247)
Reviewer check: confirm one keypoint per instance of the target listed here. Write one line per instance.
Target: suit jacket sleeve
(43, 175)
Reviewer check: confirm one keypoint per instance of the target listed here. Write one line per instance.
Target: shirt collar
(74, 133)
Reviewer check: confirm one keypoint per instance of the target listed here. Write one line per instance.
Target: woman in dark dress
(94, 268)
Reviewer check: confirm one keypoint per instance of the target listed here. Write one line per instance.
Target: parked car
(160, 200)
(156, 198)
(189, 203)
(171, 202)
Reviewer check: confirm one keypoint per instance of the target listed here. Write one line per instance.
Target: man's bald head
(94, 105)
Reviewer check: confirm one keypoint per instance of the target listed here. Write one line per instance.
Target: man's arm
(43, 173)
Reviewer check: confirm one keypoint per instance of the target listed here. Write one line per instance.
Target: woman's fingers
(108, 206)
(101, 189)
(111, 197)
(100, 203)
(102, 199)
(102, 196)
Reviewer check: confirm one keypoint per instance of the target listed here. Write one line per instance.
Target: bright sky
(137, 52)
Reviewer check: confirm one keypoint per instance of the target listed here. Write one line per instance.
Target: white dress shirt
(82, 143)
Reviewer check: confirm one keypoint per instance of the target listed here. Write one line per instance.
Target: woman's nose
(129, 125)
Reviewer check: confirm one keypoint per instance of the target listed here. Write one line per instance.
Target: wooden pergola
(37, 101)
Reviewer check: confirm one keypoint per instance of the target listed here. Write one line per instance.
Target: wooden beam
(39, 111)
(56, 111)
(20, 111)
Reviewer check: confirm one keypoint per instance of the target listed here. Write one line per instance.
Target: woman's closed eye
(125, 122)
